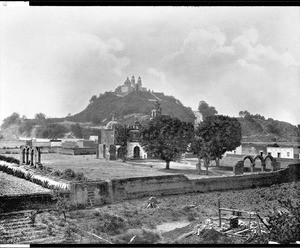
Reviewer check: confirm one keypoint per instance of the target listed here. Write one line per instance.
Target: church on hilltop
(130, 86)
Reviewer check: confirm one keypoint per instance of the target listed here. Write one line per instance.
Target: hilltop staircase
(17, 227)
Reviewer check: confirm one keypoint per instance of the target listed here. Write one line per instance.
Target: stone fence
(99, 192)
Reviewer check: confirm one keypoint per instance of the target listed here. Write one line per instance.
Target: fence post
(219, 210)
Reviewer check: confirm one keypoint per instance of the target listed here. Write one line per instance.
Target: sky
(53, 59)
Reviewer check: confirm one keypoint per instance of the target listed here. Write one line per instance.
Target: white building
(94, 138)
(55, 143)
(135, 151)
(237, 151)
(284, 152)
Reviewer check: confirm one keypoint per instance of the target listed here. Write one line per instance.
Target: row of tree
(169, 138)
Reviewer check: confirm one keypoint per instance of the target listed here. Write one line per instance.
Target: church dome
(112, 125)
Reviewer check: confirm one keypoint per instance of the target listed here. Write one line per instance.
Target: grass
(105, 170)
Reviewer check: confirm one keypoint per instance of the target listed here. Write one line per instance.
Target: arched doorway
(136, 152)
(119, 153)
(104, 151)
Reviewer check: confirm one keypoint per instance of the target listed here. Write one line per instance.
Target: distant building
(284, 152)
(94, 138)
(130, 86)
(237, 151)
(55, 143)
(108, 147)
(263, 149)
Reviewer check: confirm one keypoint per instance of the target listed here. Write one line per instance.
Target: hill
(256, 128)
(136, 105)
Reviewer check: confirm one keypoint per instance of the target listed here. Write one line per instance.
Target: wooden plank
(247, 229)
(237, 210)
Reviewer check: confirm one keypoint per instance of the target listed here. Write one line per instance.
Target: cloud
(56, 67)
(235, 74)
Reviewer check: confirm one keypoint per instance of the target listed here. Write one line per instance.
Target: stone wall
(130, 188)
(77, 151)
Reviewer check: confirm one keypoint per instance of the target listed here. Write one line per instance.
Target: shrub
(69, 174)
(50, 229)
(69, 234)
(9, 159)
(192, 215)
(111, 224)
(45, 184)
(57, 173)
(32, 217)
(80, 177)
(284, 224)
(28, 176)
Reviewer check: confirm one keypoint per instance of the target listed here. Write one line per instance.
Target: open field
(11, 185)
(105, 170)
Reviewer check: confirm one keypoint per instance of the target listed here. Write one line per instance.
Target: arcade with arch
(30, 155)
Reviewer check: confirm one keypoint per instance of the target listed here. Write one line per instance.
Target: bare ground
(178, 208)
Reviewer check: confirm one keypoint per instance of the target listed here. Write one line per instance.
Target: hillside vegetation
(137, 106)
(127, 109)
(256, 128)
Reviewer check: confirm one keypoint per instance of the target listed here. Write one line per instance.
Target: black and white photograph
(149, 125)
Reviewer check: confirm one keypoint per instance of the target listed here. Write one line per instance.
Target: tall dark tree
(77, 130)
(14, 118)
(158, 108)
(40, 118)
(216, 135)
(167, 138)
(93, 98)
(121, 138)
(205, 110)
(244, 113)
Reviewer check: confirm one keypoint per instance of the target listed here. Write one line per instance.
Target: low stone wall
(77, 151)
(35, 178)
(130, 188)
(84, 193)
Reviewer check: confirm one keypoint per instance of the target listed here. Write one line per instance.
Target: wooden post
(219, 210)
(249, 220)
(258, 226)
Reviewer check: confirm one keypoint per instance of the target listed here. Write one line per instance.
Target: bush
(69, 174)
(80, 177)
(69, 234)
(57, 173)
(111, 224)
(284, 224)
(9, 159)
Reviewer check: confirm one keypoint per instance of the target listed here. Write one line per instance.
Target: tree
(40, 118)
(77, 130)
(93, 98)
(167, 138)
(244, 113)
(205, 110)
(14, 118)
(53, 131)
(216, 135)
(122, 137)
(158, 108)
